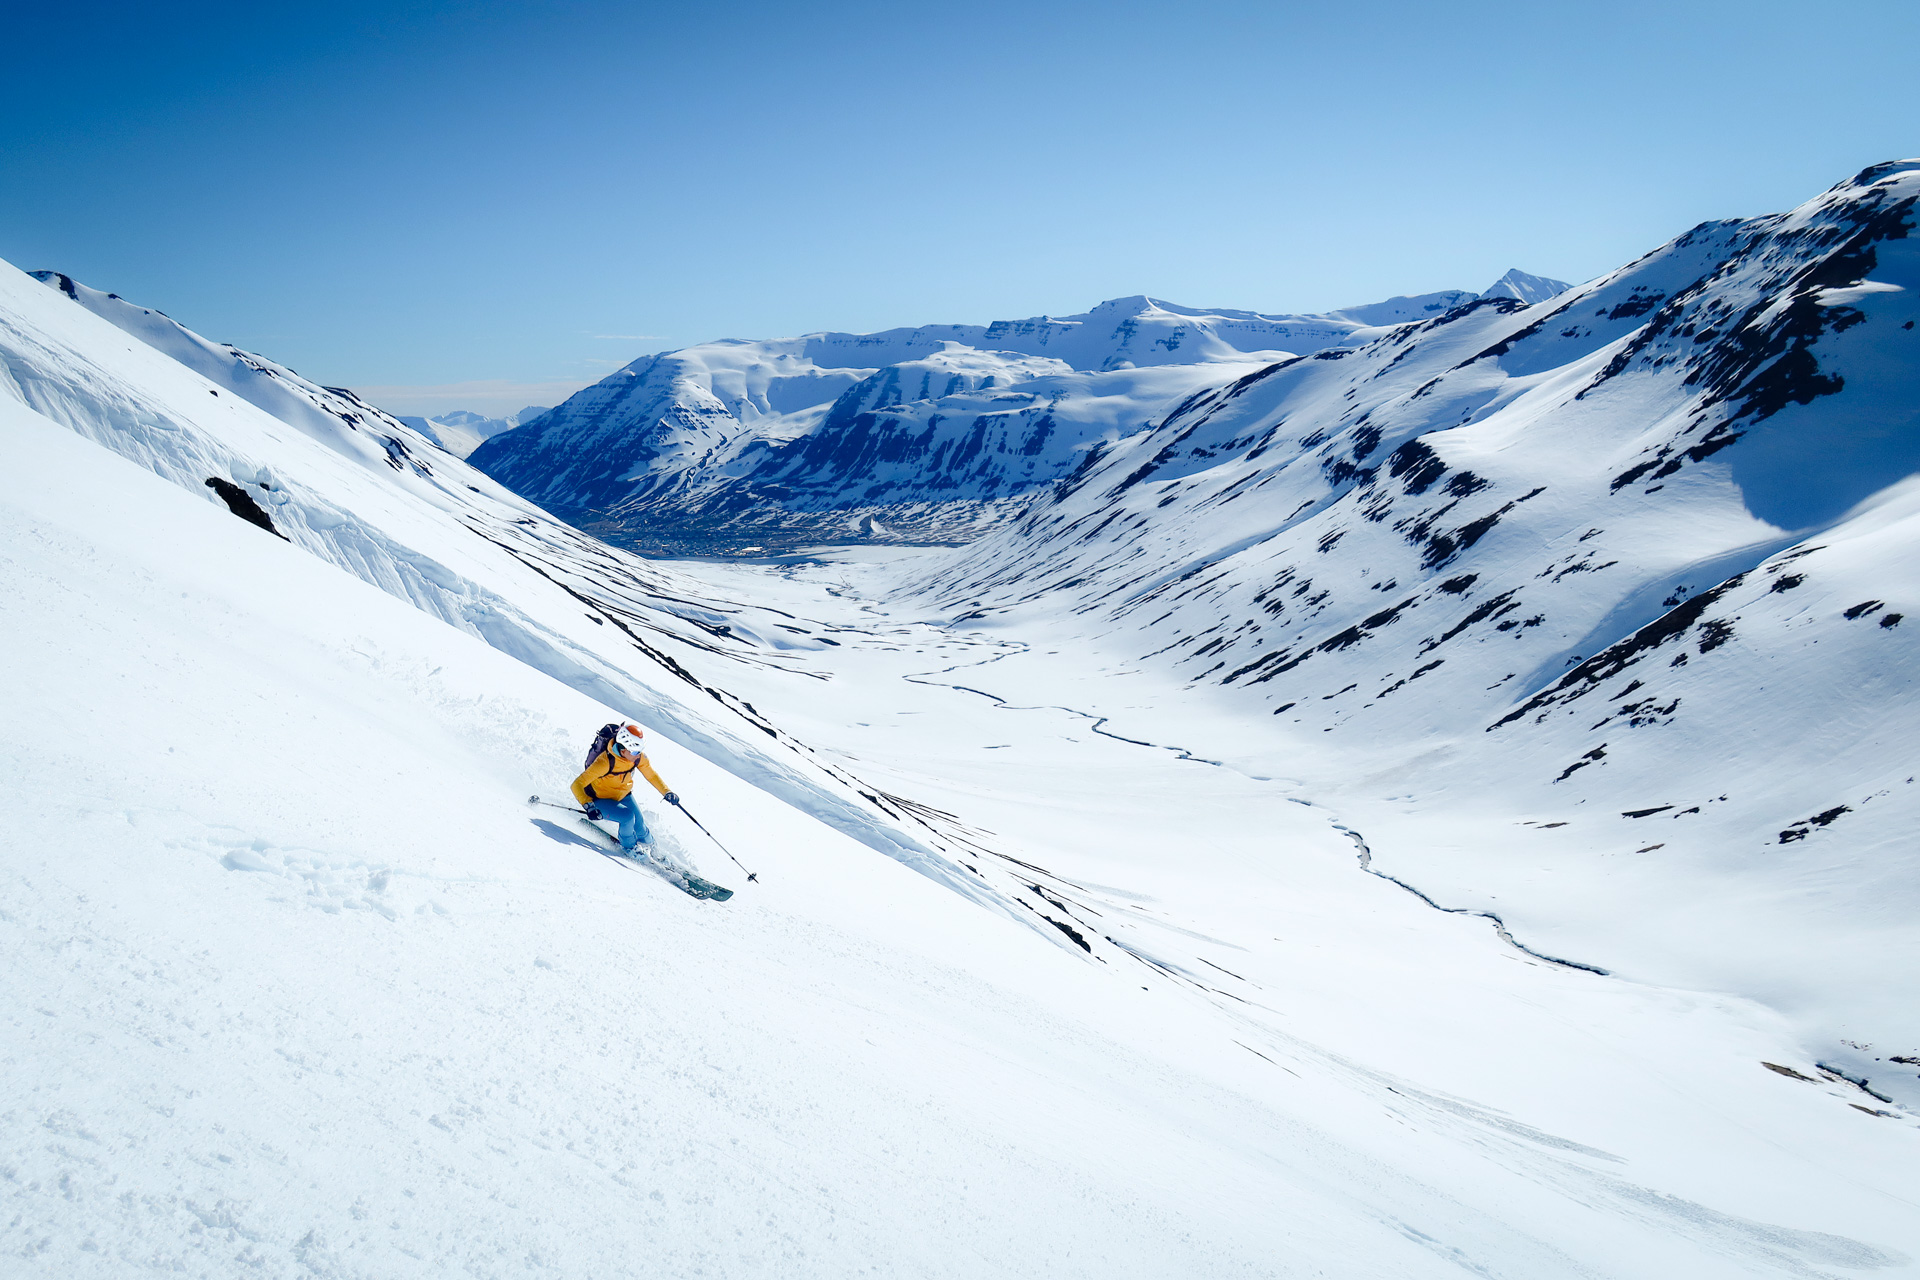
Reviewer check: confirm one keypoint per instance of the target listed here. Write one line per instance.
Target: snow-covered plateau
(1432, 805)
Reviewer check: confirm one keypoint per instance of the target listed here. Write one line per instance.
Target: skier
(605, 788)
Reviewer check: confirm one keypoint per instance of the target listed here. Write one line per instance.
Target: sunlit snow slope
(296, 984)
(1599, 613)
(364, 492)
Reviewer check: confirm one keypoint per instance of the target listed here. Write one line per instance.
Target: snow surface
(367, 494)
(1059, 962)
(297, 984)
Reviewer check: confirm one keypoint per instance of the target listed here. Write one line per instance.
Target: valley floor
(294, 983)
(1232, 859)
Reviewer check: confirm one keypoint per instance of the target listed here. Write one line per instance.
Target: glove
(593, 811)
(671, 798)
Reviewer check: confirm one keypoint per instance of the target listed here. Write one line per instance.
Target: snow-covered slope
(823, 436)
(1596, 614)
(274, 387)
(879, 466)
(333, 416)
(360, 490)
(296, 984)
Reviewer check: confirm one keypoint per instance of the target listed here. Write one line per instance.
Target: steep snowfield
(732, 442)
(1595, 614)
(367, 494)
(327, 414)
(297, 985)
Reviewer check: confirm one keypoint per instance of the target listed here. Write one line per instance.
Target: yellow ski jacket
(610, 777)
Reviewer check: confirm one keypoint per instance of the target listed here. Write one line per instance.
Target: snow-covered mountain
(928, 434)
(1522, 287)
(296, 982)
(1631, 572)
(461, 431)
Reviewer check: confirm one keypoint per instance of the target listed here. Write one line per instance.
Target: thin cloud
(495, 397)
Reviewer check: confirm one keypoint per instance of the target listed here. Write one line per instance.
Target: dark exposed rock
(241, 503)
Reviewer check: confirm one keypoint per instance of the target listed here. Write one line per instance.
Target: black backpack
(600, 741)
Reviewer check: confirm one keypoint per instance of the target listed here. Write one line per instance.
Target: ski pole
(567, 808)
(709, 835)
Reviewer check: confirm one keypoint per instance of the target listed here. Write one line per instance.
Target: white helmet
(628, 739)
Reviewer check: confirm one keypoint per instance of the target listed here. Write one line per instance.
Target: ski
(679, 877)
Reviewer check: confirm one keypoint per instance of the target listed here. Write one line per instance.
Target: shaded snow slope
(928, 431)
(1601, 608)
(297, 985)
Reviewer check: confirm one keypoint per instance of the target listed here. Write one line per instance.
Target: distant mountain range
(936, 433)
(462, 431)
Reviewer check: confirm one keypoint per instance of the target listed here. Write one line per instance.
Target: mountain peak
(1133, 304)
(1526, 287)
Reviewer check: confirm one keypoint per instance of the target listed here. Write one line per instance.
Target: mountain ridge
(742, 441)
(1633, 565)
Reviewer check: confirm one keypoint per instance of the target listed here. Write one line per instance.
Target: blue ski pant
(633, 826)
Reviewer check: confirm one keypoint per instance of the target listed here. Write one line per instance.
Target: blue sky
(478, 204)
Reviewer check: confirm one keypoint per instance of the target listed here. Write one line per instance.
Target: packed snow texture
(297, 984)
(929, 434)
